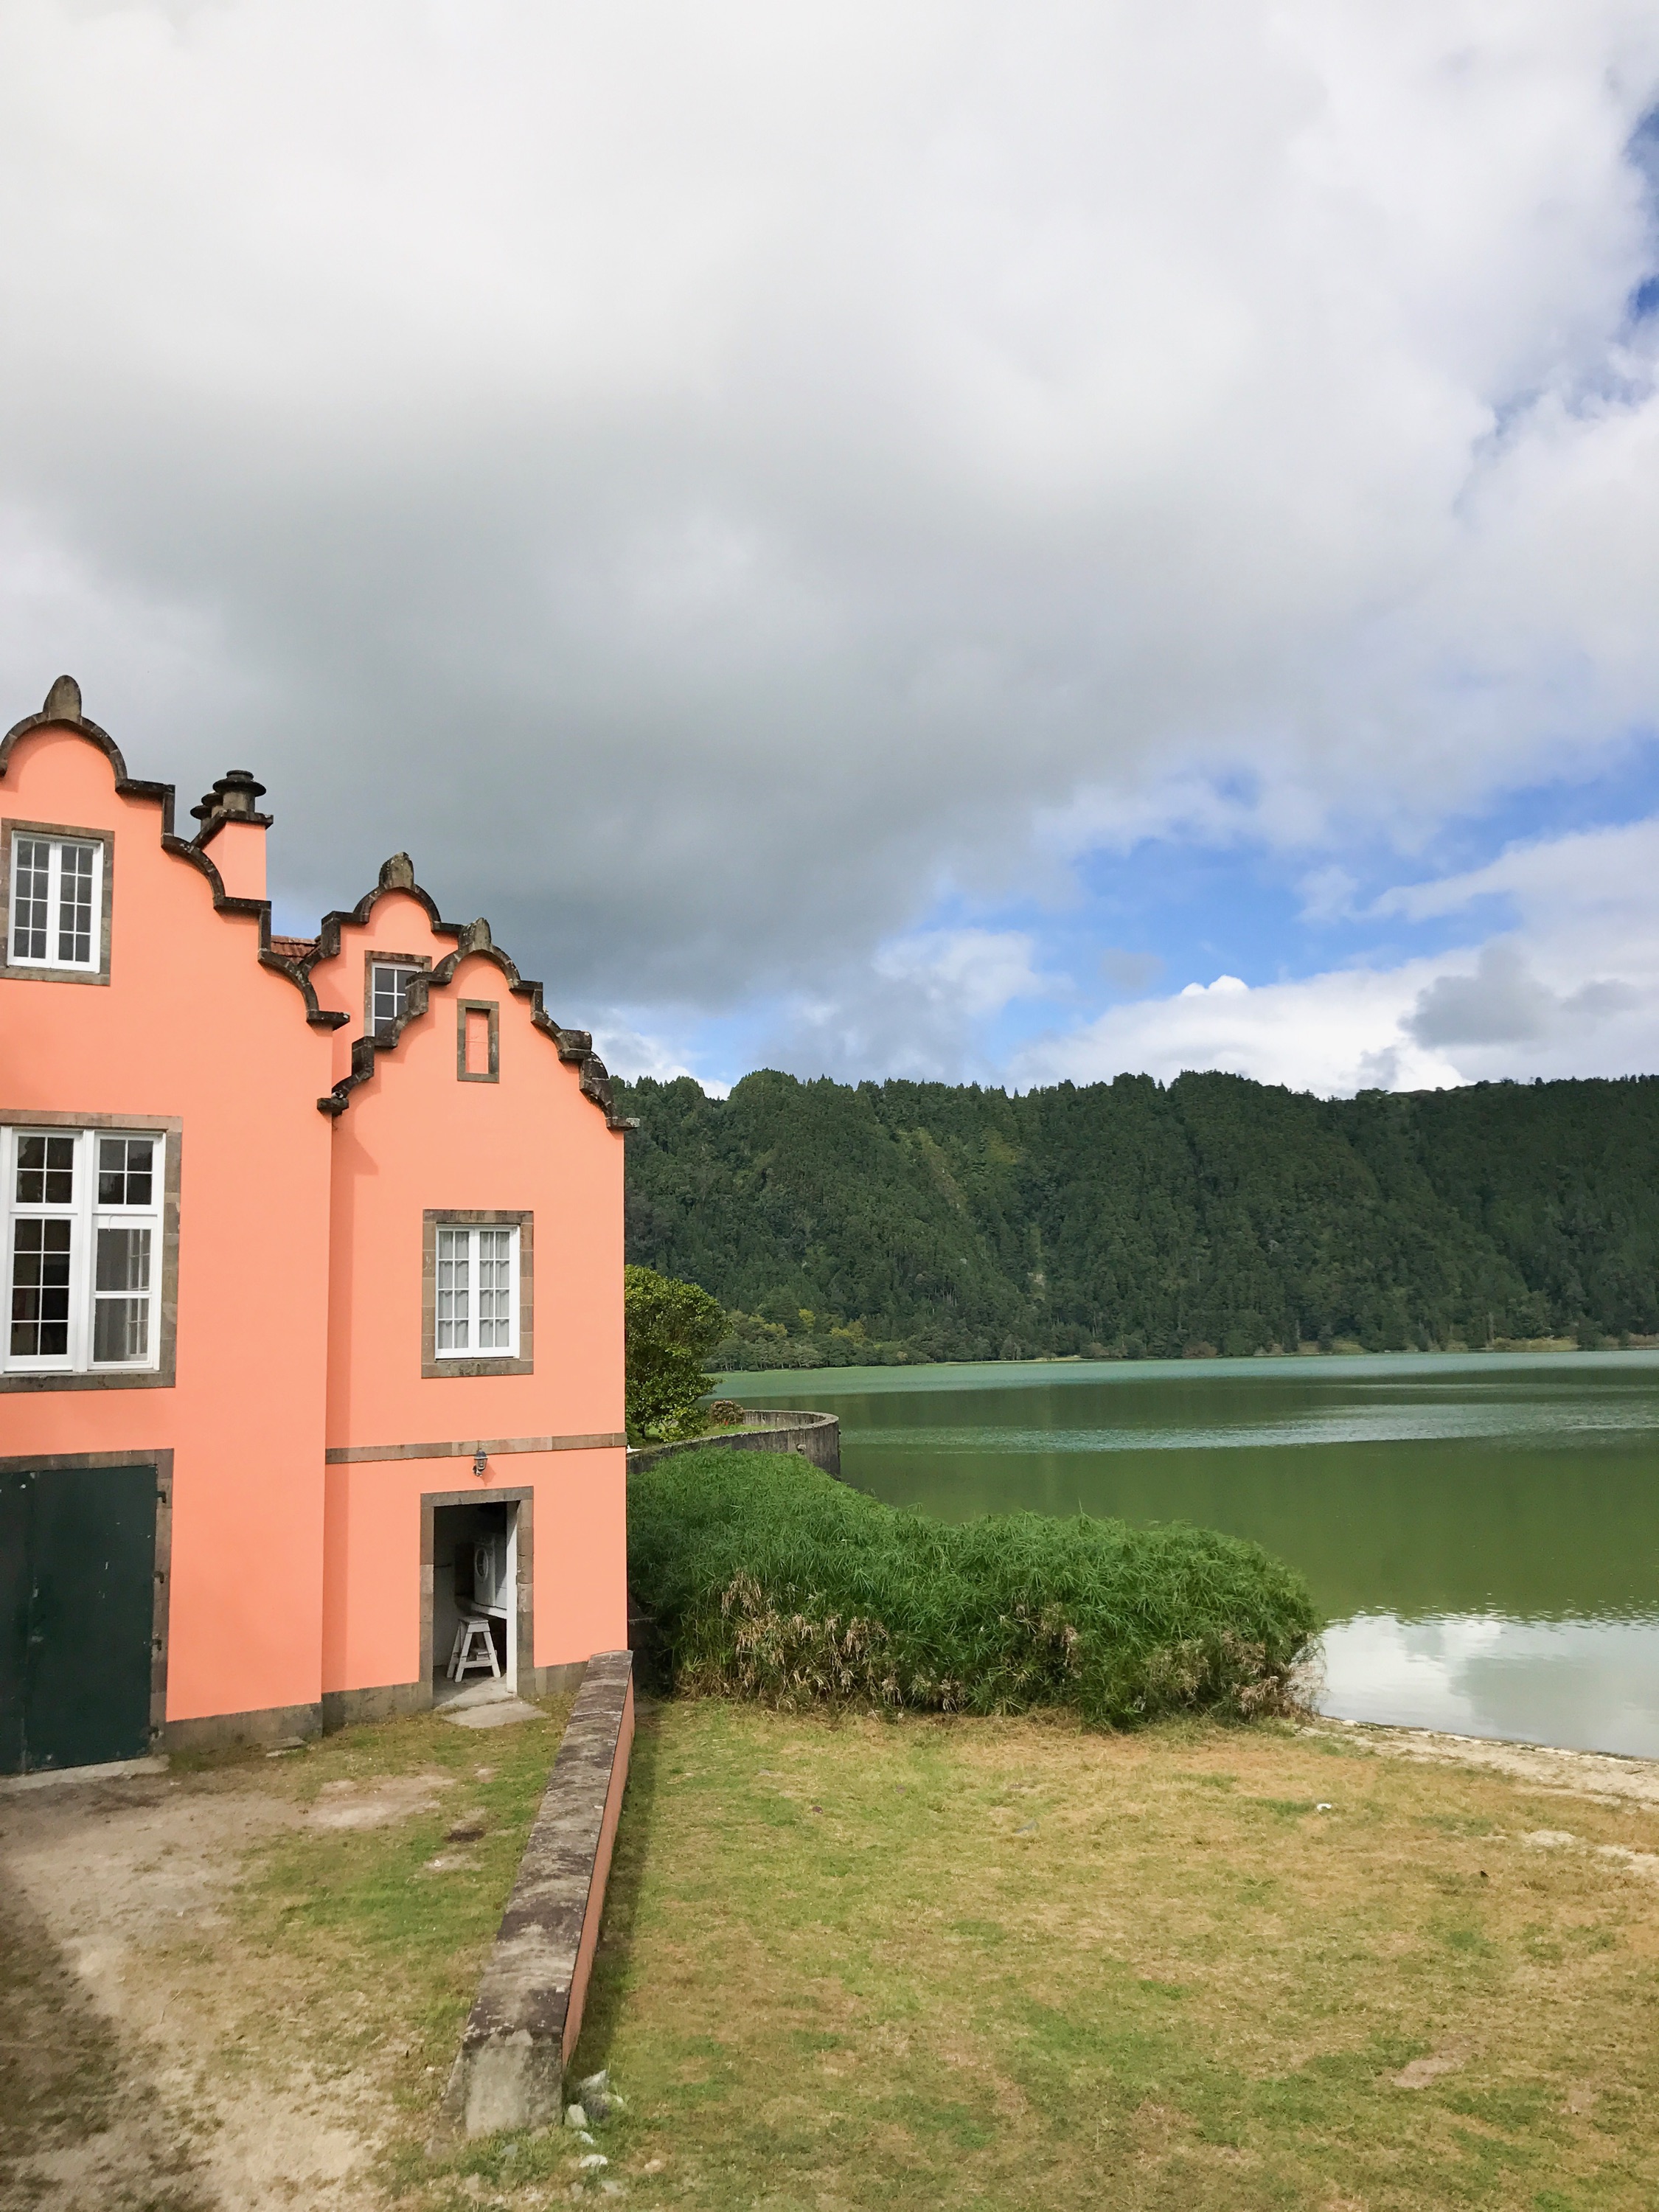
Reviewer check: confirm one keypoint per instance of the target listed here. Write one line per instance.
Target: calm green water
(1482, 1532)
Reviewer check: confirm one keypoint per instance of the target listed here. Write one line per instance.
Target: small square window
(55, 922)
(477, 1293)
(477, 1315)
(386, 979)
(390, 987)
(46, 1171)
(125, 1170)
(84, 1223)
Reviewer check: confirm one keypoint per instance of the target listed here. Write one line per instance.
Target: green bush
(671, 1329)
(770, 1579)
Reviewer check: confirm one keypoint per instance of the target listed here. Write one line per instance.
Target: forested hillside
(917, 1221)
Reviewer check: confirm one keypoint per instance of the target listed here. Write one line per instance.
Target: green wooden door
(77, 1592)
(14, 1616)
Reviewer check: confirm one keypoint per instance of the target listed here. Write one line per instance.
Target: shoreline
(1609, 1776)
(735, 1380)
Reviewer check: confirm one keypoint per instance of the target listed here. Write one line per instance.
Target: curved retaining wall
(817, 1437)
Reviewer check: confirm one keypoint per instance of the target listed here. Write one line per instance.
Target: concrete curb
(510, 2070)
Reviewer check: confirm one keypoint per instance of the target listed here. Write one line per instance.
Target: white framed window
(57, 917)
(477, 1293)
(388, 991)
(83, 1250)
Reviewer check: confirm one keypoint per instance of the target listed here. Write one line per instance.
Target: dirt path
(122, 2006)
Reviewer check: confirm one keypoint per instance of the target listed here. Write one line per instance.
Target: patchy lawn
(240, 1984)
(854, 1964)
(1008, 1963)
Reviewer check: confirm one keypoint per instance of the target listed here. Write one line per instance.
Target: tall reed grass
(768, 1579)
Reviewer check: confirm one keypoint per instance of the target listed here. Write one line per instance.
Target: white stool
(474, 1649)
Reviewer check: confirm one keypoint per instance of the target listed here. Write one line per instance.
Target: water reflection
(1483, 1532)
(1590, 1684)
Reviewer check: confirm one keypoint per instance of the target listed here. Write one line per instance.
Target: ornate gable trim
(473, 939)
(62, 710)
(397, 874)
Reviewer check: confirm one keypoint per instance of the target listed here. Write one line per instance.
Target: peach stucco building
(315, 1253)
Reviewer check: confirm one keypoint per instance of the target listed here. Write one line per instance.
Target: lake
(1481, 1531)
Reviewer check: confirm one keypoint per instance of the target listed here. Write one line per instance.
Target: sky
(983, 544)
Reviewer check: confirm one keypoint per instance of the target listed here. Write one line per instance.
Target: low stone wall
(523, 2028)
(817, 1437)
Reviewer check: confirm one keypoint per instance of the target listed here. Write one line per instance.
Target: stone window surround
(22, 971)
(463, 1008)
(161, 1377)
(435, 1217)
(420, 961)
(47, 1463)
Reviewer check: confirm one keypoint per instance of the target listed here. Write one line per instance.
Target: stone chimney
(234, 827)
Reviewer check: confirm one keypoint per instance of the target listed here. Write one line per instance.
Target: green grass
(854, 1960)
(1015, 1964)
(768, 1579)
(359, 1922)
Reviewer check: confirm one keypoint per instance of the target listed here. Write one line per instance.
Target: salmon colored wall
(372, 1618)
(301, 1266)
(237, 850)
(397, 924)
(582, 1551)
(371, 1629)
(416, 1137)
(190, 1025)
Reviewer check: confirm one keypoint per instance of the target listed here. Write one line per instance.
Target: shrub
(671, 1327)
(770, 1579)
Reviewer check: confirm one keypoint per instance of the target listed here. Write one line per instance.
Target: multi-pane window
(57, 902)
(477, 1288)
(388, 992)
(82, 1249)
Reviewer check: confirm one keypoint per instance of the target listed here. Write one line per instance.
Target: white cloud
(1504, 1003)
(632, 1052)
(1328, 894)
(709, 482)
(1572, 990)
(976, 972)
(920, 1009)
(1323, 1033)
(1595, 879)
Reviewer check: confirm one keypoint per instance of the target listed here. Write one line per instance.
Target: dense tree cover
(923, 1221)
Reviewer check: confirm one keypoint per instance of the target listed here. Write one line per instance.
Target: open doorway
(475, 1603)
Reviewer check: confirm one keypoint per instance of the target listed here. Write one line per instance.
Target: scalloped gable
(574, 1046)
(62, 710)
